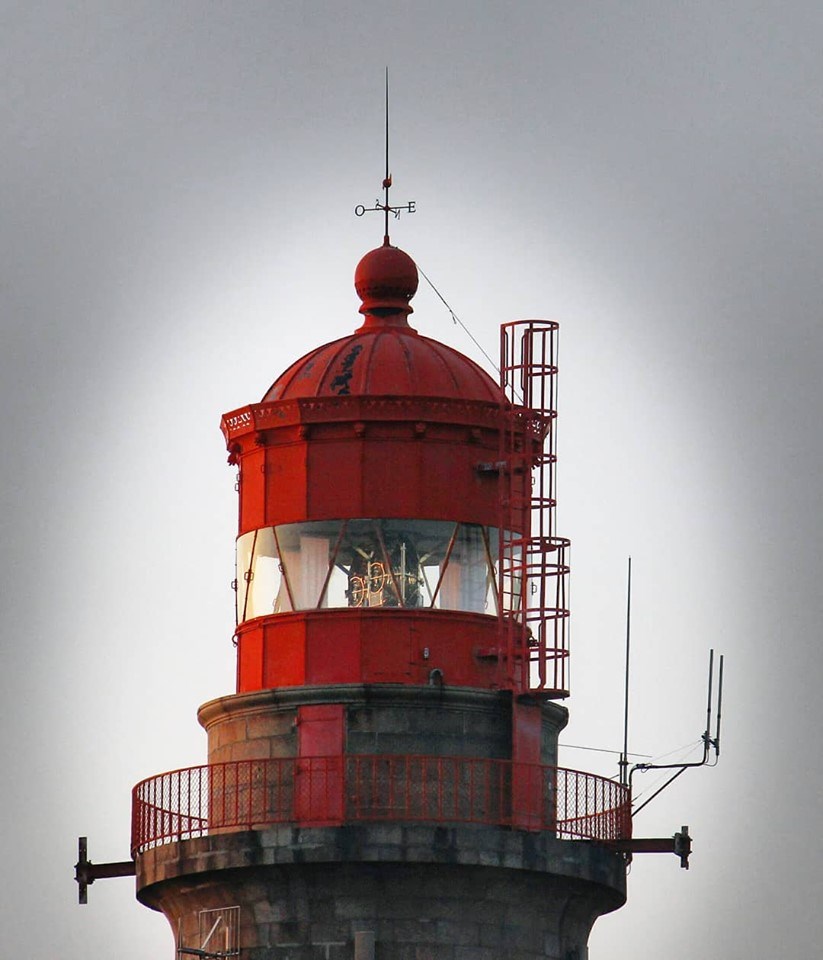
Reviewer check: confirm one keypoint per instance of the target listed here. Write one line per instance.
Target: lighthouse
(383, 782)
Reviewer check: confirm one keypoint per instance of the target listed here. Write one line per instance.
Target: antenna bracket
(680, 844)
(86, 872)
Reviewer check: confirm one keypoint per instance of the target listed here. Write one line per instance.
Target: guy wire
(457, 320)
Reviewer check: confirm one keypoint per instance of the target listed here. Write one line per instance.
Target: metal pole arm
(86, 872)
(680, 845)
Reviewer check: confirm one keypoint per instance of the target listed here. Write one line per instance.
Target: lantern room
(395, 509)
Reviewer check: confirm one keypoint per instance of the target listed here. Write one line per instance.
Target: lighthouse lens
(363, 563)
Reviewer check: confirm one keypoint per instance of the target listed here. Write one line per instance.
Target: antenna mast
(624, 757)
(710, 743)
(387, 178)
(385, 207)
(681, 843)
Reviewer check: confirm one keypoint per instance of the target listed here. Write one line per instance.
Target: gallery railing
(323, 791)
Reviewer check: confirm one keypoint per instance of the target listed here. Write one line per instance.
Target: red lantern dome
(385, 356)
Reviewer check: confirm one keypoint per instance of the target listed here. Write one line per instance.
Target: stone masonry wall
(380, 719)
(312, 891)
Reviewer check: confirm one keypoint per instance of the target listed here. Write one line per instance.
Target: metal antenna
(385, 207)
(707, 734)
(719, 702)
(387, 178)
(709, 743)
(624, 758)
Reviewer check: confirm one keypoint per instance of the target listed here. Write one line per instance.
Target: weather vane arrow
(385, 207)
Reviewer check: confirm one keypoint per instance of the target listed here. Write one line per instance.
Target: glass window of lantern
(259, 574)
(432, 564)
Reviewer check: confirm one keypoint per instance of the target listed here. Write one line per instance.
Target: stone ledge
(375, 694)
(282, 846)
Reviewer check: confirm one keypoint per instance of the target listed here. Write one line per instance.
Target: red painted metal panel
(286, 483)
(370, 476)
(387, 648)
(384, 470)
(368, 646)
(250, 661)
(333, 650)
(318, 786)
(337, 490)
(271, 654)
(527, 721)
(284, 653)
(392, 474)
(252, 491)
(527, 783)
(320, 731)
(450, 491)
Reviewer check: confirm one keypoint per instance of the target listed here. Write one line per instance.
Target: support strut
(680, 845)
(86, 872)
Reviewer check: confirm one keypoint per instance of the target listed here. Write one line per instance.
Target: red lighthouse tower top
(385, 356)
(390, 527)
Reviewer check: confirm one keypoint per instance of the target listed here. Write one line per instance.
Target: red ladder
(532, 580)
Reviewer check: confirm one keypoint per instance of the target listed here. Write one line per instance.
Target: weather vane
(385, 206)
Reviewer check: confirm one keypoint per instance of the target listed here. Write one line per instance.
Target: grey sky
(176, 226)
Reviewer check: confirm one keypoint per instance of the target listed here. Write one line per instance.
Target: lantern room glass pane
(433, 564)
(259, 575)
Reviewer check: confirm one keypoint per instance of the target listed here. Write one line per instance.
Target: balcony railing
(318, 791)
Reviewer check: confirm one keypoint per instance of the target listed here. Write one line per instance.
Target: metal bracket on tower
(86, 872)
(680, 845)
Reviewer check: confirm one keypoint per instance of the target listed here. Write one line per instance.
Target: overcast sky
(176, 227)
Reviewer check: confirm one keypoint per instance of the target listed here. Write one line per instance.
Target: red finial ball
(385, 280)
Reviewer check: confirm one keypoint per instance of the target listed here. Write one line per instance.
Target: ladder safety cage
(533, 566)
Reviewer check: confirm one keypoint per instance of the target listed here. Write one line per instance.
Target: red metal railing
(332, 790)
